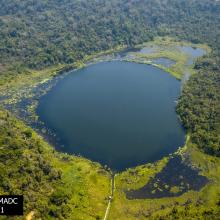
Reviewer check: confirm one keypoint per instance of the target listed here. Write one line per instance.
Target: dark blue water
(120, 114)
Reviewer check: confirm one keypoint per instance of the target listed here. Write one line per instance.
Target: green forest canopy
(45, 32)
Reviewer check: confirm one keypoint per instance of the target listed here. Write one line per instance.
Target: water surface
(193, 52)
(120, 114)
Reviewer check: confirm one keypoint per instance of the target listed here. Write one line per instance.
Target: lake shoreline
(86, 86)
(89, 60)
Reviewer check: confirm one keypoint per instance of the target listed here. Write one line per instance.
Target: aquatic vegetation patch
(164, 62)
(175, 179)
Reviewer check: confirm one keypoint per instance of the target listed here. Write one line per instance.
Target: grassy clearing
(86, 184)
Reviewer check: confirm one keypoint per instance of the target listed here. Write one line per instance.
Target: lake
(120, 114)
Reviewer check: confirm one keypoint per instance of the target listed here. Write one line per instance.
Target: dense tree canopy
(45, 32)
(199, 109)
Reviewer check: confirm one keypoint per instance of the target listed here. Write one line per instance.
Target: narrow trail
(30, 215)
(110, 197)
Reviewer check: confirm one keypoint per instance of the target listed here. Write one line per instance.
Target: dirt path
(110, 197)
(30, 215)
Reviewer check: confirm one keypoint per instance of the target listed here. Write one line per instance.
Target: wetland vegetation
(175, 179)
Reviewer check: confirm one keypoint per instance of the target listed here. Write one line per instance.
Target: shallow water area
(193, 52)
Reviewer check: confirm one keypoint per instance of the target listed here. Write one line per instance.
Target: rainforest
(111, 109)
